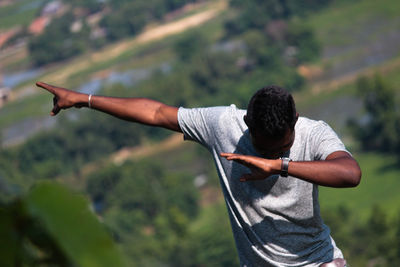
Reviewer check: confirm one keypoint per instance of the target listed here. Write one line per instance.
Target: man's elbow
(354, 177)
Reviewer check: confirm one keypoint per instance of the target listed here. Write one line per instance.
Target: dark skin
(339, 169)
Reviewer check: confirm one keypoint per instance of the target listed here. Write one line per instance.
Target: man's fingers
(45, 86)
(246, 161)
(236, 157)
(230, 156)
(52, 89)
(55, 110)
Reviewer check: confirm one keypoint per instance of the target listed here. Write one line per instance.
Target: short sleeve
(199, 124)
(325, 141)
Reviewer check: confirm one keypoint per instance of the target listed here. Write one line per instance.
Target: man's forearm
(141, 110)
(338, 170)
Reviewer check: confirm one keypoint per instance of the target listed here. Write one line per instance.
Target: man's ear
(245, 120)
(297, 117)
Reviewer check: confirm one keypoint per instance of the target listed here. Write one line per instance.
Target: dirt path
(149, 35)
(333, 84)
(60, 75)
(174, 141)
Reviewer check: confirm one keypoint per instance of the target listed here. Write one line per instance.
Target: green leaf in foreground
(66, 216)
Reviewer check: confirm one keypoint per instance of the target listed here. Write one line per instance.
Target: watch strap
(285, 166)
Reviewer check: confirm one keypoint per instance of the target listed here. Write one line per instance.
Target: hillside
(357, 38)
(349, 50)
(97, 65)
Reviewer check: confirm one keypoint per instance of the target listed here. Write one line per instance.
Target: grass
(379, 186)
(337, 23)
(145, 55)
(37, 105)
(380, 181)
(21, 13)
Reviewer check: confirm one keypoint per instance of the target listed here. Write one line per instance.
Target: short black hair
(271, 112)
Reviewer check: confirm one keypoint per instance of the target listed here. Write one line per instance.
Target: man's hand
(140, 110)
(64, 98)
(260, 168)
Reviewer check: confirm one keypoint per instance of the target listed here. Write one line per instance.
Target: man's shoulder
(206, 124)
(305, 124)
(307, 128)
(213, 112)
(306, 120)
(308, 124)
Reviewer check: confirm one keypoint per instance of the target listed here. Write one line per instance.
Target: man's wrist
(277, 166)
(82, 100)
(285, 166)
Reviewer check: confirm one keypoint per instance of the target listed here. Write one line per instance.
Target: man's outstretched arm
(141, 110)
(339, 169)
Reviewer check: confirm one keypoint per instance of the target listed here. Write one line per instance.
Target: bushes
(374, 242)
(379, 128)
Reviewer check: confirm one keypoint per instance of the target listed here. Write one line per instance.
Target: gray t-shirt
(275, 221)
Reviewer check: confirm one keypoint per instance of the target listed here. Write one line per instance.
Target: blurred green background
(85, 189)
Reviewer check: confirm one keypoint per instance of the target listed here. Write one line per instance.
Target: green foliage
(380, 127)
(190, 45)
(303, 39)
(276, 38)
(126, 19)
(58, 42)
(122, 23)
(261, 51)
(153, 213)
(210, 241)
(52, 226)
(91, 6)
(256, 14)
(207, 79)
(65, 150)
(147, 209)
(373, 242)
(18, 13)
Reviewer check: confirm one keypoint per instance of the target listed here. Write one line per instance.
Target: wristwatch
(285, 166)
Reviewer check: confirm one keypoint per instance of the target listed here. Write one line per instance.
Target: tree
(190, 45)
(379, 128)
(57, 43)
(256, 14)
(147, 209)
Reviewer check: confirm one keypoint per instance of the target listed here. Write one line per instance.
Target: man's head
(271, 117)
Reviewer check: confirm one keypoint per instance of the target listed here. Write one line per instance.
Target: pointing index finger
(48, 87)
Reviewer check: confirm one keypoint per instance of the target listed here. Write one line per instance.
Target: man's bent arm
(141, 110)
(339, 169)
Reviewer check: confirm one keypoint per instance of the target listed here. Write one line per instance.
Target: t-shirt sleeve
(199, 124)
(325, 141)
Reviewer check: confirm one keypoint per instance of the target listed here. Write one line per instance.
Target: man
(270, 162)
